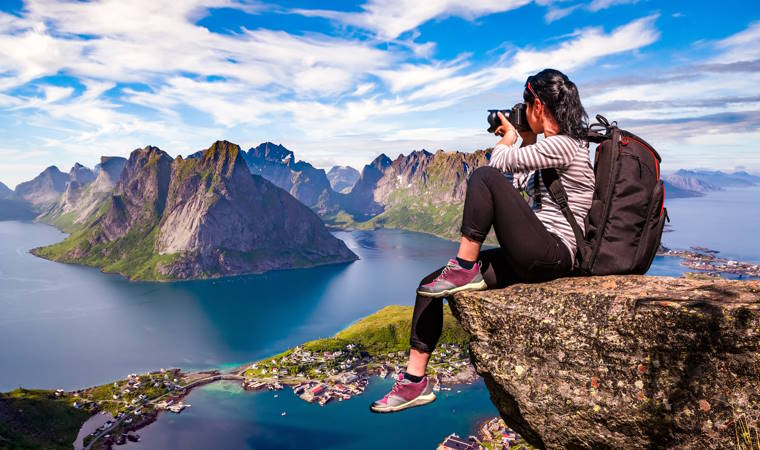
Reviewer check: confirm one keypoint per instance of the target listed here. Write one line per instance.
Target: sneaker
(454, 278)
(404, 394)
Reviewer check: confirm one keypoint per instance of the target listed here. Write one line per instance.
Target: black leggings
(528, 252)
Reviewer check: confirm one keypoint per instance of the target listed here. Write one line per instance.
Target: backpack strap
(559, 195)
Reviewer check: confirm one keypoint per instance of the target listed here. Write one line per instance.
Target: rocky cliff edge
(620, 362)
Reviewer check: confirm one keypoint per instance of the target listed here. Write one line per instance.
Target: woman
(536, 242)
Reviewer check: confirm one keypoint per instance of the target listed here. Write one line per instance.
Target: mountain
(304, 182)
(80, 201)
(710, 180)
(108, 172)
(198, 218)
(343, 178)
(81, 174)
(676, 191)
(422, 191)
(44, 189)
(6, 192)
(360, 202)
(12, 208)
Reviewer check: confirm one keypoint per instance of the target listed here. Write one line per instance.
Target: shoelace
(449, 266)
(394, 389)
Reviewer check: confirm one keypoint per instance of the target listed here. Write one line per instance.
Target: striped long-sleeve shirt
(571, 159)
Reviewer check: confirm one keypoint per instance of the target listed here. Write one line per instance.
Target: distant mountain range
(421, 191)
(81, 198)
(692, 183)
(12, 207)
(200, 217)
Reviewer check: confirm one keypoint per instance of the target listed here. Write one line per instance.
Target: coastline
(320, 371)
(146, 410)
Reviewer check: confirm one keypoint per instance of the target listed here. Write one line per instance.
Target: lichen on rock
(620, 361)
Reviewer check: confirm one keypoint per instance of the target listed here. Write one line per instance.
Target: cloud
(140, 40)
(553, 14)
(389, 19)
(598, 5)
(692, 109)
(88, 78)
(742, 46)
(586, 46)
(409, 76)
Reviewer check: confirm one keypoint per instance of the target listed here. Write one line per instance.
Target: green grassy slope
(384, 331)
(37, 419)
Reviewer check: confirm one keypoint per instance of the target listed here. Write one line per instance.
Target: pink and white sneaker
(454, 278)
(404, 394)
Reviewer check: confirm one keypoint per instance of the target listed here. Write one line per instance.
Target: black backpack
(625, 222)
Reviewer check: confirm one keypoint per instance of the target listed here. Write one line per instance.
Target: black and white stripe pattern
(571, 159)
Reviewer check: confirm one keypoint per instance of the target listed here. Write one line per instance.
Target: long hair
(560, 95)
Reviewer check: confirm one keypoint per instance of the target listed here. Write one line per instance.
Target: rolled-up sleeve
(550, 152)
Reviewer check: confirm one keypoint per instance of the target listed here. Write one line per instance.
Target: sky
(342, 82)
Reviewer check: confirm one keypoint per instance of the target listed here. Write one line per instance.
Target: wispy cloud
(555, 13)
(389, 19)
(598, 5)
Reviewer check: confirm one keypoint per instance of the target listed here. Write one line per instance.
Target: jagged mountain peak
(44, 189)
(81, 174)
(222, 157)
(221, 148)
(109, 159)
(108, 172)
(381, 162)
(416, 154)
(51, 170)
(272, 152)
(223, 152)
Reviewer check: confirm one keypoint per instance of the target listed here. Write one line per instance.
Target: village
(493, 434)
(135, 402)
(316, 375)
(324, 376)
(706, 261)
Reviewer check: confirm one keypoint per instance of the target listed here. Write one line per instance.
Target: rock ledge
(619, 362)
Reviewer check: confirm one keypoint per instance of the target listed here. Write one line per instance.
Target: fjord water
(222, 415)
(69, 326)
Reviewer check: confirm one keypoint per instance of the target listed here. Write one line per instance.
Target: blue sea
(67, 326)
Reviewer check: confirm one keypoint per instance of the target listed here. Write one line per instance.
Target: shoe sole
(479, 286)
(416, 401)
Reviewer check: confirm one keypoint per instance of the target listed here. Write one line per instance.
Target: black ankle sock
(413, 378)
(465, 264)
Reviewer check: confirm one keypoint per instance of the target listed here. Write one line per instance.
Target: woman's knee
(484, 173)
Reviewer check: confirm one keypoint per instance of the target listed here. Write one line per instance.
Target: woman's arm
(558, 153)
(531, 155)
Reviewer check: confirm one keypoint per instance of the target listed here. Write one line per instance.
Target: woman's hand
(506, 131)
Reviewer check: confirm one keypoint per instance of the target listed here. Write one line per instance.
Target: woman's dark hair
(560, 95)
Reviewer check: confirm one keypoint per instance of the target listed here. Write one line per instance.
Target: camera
(517, 116)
